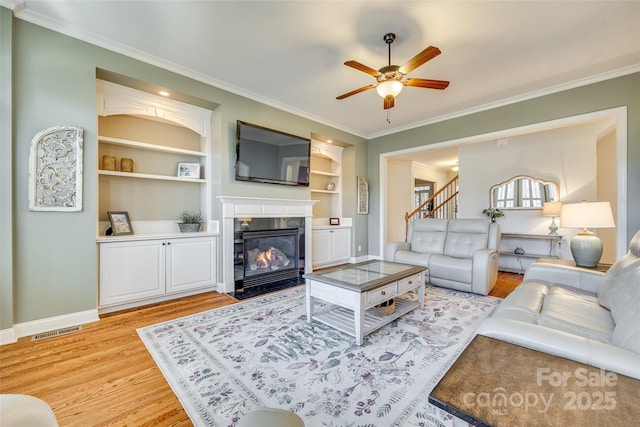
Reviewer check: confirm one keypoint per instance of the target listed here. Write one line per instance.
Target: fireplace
(264, 257)
(242, 214)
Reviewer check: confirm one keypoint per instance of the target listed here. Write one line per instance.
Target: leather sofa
(460, 254)
(575, 313)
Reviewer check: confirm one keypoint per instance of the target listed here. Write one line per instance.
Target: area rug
(262, 352)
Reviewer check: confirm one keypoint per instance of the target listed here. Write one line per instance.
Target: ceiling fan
(392, 78)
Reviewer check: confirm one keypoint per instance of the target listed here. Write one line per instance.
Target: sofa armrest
(393, 247)
(563, 344)
(484, 271)
(575, 277)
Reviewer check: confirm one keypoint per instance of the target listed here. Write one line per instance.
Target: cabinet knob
(383, 293)
(411, 282)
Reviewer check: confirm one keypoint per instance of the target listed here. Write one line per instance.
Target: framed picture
(189, 170)
(363, 196)
(120, 223)
(334, 221)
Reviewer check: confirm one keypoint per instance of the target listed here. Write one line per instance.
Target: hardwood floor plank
(104, 375)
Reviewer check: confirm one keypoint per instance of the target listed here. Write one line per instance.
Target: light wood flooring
(104, 376)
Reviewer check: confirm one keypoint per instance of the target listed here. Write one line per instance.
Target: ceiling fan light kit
(392, 78)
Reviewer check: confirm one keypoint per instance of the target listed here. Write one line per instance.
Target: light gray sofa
(460, 254)
(575, 313)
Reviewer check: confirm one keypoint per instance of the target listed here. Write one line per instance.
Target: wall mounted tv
(267, 155)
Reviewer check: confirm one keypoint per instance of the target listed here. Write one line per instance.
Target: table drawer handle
(411, 282)
(383, 293)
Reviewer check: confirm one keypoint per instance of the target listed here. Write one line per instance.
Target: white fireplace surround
(252, 207)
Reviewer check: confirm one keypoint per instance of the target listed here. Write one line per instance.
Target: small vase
(126, 165)
(109, 163)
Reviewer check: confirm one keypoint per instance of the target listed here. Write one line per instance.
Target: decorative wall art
(363, 196)
(55, 170)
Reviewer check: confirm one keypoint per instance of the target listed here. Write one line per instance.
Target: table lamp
(552, 209)
(586, 247)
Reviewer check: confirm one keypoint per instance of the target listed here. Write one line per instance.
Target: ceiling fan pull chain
(389, 116)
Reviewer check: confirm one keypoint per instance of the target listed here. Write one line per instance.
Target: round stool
(270, 417)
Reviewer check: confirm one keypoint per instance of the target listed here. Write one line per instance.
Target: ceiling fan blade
(388, 102)
(353, 92)
(361, 67)
(424, 56)
(429, 84)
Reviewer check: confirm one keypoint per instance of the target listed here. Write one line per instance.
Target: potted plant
(190, 221)
(493, 213)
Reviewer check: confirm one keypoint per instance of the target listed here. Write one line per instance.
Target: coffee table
(356, 289)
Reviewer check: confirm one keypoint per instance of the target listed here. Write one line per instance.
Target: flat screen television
(267, 155)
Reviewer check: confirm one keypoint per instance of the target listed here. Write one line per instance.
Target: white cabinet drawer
(381, 294)
(409, 283)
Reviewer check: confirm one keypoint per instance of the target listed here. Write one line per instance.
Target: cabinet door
(131, 271)
(341, 244)
(321, 247)
(191, 263)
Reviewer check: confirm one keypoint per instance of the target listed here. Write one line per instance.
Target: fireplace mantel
(254, 207)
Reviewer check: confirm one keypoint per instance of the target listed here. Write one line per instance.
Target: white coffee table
(356, 289)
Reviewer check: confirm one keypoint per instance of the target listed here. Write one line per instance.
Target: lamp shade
(390, 88)
(587, 215)
(586, 247)
(551, 208)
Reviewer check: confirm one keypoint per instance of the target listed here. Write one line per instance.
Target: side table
(600, 267)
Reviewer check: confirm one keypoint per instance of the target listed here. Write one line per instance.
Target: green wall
(55, 254)
(618, 92)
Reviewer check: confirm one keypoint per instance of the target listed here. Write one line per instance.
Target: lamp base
(553, 228)
(586, 249)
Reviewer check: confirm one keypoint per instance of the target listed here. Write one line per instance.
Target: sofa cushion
(524, 303)
(455, 269)
(576, 312)
(428, 236)
(466, 236)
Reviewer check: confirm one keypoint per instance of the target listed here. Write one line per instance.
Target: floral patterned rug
(262, 352)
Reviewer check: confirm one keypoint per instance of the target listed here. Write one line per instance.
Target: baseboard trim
(8, 336)
(19, 330)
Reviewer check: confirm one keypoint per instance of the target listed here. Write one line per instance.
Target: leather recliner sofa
(460, 254)
(575, 313)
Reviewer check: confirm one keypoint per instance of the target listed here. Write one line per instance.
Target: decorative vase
(109, 163)
(126, 165)
(188, 228)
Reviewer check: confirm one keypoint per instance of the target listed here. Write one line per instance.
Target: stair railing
(445, 205)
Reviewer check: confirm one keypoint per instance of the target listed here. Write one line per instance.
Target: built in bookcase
(157, 134)
(326, 180)
(331, 243)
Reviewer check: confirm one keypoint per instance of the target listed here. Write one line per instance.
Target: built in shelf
(323, 191)
(317, 172)
(151, 176)
(147, 146)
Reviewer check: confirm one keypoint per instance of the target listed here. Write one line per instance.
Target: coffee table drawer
(381, 294)
(408, 283)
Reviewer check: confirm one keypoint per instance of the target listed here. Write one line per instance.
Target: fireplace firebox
(264, 257)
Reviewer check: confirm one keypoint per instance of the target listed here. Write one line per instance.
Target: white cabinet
(330, 246)
(136, 272)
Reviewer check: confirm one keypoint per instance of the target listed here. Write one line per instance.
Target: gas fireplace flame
(271, 259)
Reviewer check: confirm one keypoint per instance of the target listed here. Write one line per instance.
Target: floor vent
(57, 333)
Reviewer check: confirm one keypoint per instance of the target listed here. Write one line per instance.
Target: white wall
(565, 155)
